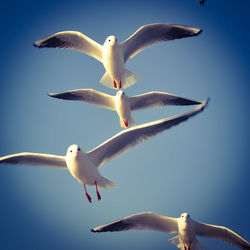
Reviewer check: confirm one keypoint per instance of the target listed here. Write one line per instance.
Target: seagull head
(73, 151)
(111, 41)
(185, 218)
(120, 93)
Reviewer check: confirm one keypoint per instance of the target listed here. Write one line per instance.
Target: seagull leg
(89, 198)
(189, 248)
(97, 192)
(120, 84)
(126, 123)
(115, 84)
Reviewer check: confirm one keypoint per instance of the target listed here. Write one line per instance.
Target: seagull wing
(128, 138)
(72, 40)
(221, 233)
(87, 95)
(149, 34)
(157, 99)
(35, 159)
(142, 221)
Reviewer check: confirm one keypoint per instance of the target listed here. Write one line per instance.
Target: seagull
(202, 2)
(114, 55)
(84, 166)
(186, 228)
(123, 104)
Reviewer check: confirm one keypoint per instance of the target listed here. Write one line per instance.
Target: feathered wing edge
(35, 159)
(126, 139)
(72, 40)
(221, 233)
(90, 96)
(141, 221)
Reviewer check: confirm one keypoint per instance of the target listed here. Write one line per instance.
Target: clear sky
(200, 167)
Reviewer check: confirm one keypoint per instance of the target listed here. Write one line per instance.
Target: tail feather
(104, 183)
(177, 242)
(128, 79)
(196, 245)
(107, 81)
(130, 121)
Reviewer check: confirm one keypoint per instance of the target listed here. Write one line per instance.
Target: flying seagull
(186, 228)
(123, 104)
(114, 55)
(84, 166)
(202, 2)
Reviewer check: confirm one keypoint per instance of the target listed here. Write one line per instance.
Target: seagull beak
(114, 43)
(75, 154)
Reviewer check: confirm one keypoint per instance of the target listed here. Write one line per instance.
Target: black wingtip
(208, 100)
(205, 103)
(199, 32)
(36, 46)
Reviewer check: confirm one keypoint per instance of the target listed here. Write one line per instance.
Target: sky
(200, 167)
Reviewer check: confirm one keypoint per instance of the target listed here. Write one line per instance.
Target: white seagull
(123, 104)
(114, 55)
(84, 166)
(186, 228)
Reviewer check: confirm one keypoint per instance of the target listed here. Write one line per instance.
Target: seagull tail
(130, 123)
(128, 79)
(177, 242)
(105, 183)
(107, 80)
(195, 243)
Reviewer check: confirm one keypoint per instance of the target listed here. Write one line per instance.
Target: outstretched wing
(87, 95)
(157, 99)
(126, 139)
(221, 233)
(72, 40)
(142, 221)
(35, 159)
(149, 34)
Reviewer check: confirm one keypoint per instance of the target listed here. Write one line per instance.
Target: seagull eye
(70, 151)
(109, 40)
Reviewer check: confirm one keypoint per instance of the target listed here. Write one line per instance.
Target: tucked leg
(126, 123)
(115, 86)
(97, 192)
(189, 247)
(88, 196)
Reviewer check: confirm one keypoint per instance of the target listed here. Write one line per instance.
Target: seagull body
(84, 166)
(113, 62)
(123, 104)
(123, 109)
(114, 55)
(186, 228)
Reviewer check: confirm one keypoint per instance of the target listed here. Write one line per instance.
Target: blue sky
(200, 167)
